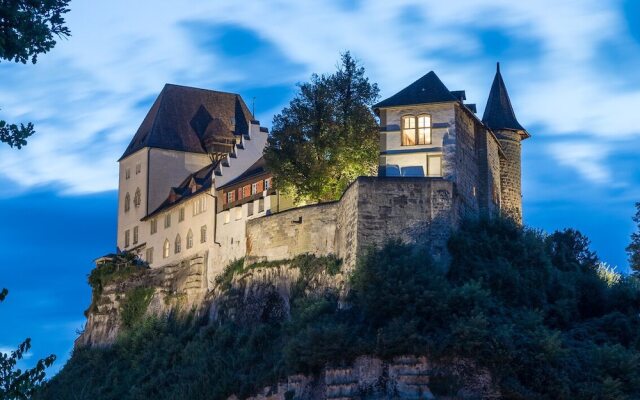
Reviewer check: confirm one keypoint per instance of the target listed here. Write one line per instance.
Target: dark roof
(428, 89)
(499, 113)
(180, 117)
(193, 185)
(258, 168)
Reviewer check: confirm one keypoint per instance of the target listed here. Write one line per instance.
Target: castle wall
(510, 174)
(371, 211)
(136, 165)
(466, 162)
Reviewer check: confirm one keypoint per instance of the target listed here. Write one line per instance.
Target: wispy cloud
(85, 96)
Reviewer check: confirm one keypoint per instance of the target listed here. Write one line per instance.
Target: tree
(27, 29)
(15, 383)
(634, 247)
(327, 136)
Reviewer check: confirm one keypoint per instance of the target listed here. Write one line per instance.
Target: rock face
(406, 377)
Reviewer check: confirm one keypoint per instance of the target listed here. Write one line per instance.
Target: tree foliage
(28, 28)
(535, 310)
(634, 247)
(327, 136)
(14, 382)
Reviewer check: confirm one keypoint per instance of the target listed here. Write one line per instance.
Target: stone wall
(510, 174)
(371, 211)
(466, 161)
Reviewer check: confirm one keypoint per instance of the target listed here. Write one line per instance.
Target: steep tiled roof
(499, 113)
(193, 185)
(182, 117)
(428, 89)
(258, 168)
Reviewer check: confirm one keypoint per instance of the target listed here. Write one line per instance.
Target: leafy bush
(135, 305)
(532, 309)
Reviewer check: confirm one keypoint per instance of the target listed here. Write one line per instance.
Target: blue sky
(570, 66)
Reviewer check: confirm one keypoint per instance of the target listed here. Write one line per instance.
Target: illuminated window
(126, 238)
(434, 165)
(416, 130)
(254, 188)
(166, 248)
(200, 205)
(149, 255)
(167, 221)
(181, 214)
(203, 233)
(154, 226)
(189, 239)
(135, 235)
(127, 202)
(178, 244)
(137, 198)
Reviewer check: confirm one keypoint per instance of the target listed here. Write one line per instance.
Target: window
(178, 244)
(189, 239)
(246, 191)
(200, 205)
(249, 209)
(227, 217)
(167, 221)
(261, 205)
(267, 184)
(254, 188)
(238, 212)
(412, 136)
(137, 198)
(138, 168)
(149, 255)
(240, 193)
(181, 214)
(127, 202)
(135, 235)
(154, 226)
(203, 233)
(434, 165)
(231, 197)
(127, 173)
(126, 238)
(166, 248)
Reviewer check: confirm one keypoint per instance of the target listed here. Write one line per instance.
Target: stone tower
(500, 118)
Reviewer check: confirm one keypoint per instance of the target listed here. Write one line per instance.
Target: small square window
(154, 226)
(135, 235)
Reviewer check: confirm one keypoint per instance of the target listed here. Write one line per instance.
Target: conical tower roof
(499, 113)
(428, 89)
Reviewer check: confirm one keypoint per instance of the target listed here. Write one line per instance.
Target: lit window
(434, 165)
(181, 214)
(267, 184)
(416, 130)
(137, 198)
(227, 217)
(127, 202)
(238, 212)
(154, 226)
(149, 255)
(138, 168)
(178, 245)
(189, 239)
(126, 238)
(231, 196)
(166, 248)
(203, 233)
(127, 173)
(254, 188)
(167, 221)
(135, 235)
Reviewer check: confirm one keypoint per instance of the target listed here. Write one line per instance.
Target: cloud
(88, 96)
(588, 159)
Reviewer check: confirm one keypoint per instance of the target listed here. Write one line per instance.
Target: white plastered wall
(130, 219)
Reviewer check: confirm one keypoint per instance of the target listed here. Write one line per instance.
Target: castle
(194, 188)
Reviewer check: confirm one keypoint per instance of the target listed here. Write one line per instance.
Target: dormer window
(416, 130)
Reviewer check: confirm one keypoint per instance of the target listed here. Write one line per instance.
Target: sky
(570, 68)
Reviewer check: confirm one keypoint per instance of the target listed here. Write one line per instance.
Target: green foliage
(14, 382)
(634, 247)
(226, 277)
(534, 310)
(135, 305)
(327, 136)
(14, 135)
(119, 268)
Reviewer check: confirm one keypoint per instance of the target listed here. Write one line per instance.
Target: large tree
(28, 28)
(14, 382)
(327, 136)
(634, 247)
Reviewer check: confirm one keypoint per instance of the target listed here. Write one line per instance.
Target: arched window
(137, 198)
(166, 248)
(178, 244)
(189, 239)
(127, 202)
(203, 234)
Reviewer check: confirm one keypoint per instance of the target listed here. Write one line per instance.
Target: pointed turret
(500, 118)
(498, 114)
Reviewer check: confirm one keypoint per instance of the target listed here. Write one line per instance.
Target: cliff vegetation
(537, 311)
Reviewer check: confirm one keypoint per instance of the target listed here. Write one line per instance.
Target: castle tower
(500, 118)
